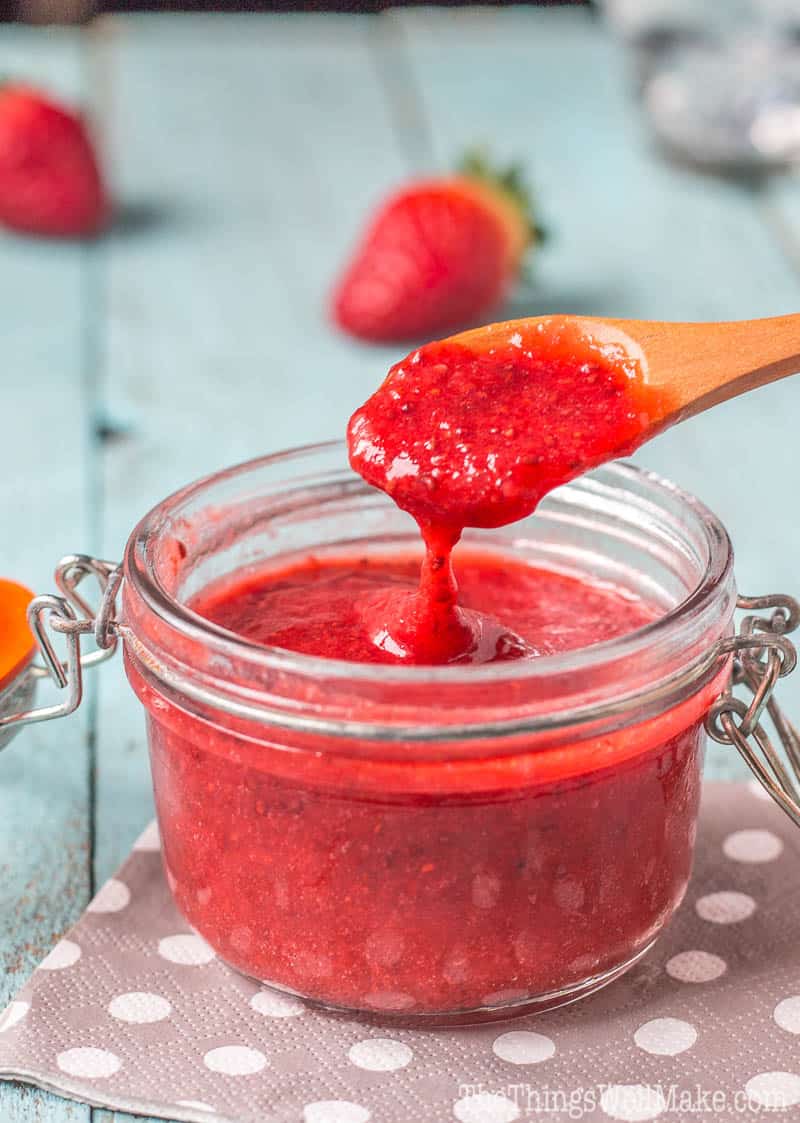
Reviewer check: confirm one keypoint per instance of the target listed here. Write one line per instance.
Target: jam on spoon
(474, 431)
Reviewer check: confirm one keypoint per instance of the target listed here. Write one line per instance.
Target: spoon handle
(701, 365)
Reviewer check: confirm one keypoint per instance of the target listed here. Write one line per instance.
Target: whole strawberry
(50, 180)
(440, 254)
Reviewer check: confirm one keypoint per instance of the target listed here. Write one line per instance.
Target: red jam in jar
(436, 843)
(514, 889)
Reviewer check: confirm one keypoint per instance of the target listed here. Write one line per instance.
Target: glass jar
(436, 844)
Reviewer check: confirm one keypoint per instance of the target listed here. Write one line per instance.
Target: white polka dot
(197, 1104)
(523, 1047)
(13, 1015)
(569, 894)
(241, 938)
(696, 966)
(235, 1060)
(752, 846)
(758, 790)
(726, 907)
(335, 1111)
(632, 1102)
(112, 897)
(149, 839)
(386, 1000)
(485, 1107)
(787, 1014)
(486, 889)
(92, 1064)
(384, 948)
(665, 1037)
(139, 1006)
(315, 965)
(776, 1090)
(380, 1054)
(272, 1004)
(185, 949)
(64, 954)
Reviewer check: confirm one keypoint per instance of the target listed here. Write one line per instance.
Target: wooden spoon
(688, 367)
(701, 365)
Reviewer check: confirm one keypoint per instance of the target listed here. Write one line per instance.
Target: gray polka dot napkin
(133, 1011)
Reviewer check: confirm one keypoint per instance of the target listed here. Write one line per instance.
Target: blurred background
(77, 11)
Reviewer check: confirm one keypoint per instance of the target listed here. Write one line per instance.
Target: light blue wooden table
(247, 151)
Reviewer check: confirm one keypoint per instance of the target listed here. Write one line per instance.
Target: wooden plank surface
(44, 474)
(218, 347)
(247, 151)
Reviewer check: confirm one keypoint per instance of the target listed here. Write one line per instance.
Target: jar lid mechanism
(761, 655)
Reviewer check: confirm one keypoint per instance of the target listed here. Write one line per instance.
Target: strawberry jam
(476, 435)
(318, 606)
(462, 438)
(413, 888)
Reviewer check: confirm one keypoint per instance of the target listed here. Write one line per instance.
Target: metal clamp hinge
(761, 655)
(71, 616)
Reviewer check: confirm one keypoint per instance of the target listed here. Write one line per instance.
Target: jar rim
(189, 623)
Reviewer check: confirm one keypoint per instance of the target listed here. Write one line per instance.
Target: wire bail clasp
(70, 615)
(761, 655)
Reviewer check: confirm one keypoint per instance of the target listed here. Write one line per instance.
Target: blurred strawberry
(440, 254)
(50, 181)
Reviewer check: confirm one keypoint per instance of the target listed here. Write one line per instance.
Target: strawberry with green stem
(440, 254)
